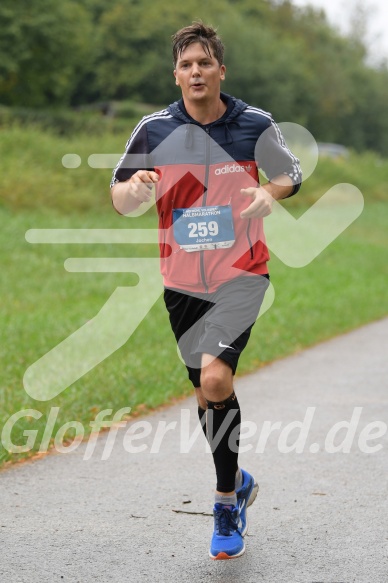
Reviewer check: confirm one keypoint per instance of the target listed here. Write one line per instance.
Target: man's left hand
(261, 206)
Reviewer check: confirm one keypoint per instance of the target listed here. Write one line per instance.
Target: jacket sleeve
(136, 156)
(275, 158)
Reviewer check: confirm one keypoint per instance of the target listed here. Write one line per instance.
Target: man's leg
(223, 420)
(236, 489)
(218, 402)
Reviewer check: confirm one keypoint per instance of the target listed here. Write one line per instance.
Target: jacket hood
(235, 105)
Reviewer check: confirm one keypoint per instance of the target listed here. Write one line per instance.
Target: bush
(64, 122)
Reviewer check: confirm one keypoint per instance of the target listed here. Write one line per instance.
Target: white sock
(229, 500)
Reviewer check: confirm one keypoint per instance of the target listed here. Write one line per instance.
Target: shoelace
(225, 521)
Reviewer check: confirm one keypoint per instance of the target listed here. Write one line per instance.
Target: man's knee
(212, 381)
(216, 380)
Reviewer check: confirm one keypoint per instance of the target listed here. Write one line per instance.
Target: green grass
(32, 175)
(42, 304)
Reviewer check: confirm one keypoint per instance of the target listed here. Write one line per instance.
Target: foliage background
(284, 59)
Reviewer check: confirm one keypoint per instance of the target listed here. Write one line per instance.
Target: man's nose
(195, 71)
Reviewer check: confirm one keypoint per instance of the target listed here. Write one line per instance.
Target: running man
(201, 156)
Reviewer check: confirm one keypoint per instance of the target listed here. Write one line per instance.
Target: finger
(249, 211)
(139, 179)
(248, 191)
(247, 214)
(140, 191)
(147, 176)
(144, 192)
(154, 176)
(142, 197)
(255, 209)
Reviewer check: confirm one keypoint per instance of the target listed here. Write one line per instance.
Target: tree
(136, 58)
(45, 46)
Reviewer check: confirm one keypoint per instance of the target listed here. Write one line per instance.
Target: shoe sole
(225, 557)
(253, 494)
(251, 499)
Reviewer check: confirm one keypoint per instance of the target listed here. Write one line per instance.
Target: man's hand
(127, 196)
(263, 196)
(261, 206)
(140, 185)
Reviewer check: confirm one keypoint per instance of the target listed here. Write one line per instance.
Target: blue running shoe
(246, 495)
(227, 542)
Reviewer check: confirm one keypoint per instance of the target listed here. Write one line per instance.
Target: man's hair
(197, 33)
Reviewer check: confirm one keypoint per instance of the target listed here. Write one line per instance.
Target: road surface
(142, 514)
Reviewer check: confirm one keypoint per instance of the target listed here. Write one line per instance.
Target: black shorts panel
(219, 323)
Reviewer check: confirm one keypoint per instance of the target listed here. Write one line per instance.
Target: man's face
(198, 75)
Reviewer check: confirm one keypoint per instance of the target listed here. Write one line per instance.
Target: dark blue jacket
(208, 165)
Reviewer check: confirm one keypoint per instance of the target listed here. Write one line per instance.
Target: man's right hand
(127, 196)
(140, 185)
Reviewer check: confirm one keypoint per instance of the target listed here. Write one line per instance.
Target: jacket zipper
(164, 235)
(249, 239)
(204, 199)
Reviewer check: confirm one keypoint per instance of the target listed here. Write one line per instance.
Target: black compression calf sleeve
(202, 419)
(223, 421)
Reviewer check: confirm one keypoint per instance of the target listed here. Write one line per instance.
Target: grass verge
(42, 304)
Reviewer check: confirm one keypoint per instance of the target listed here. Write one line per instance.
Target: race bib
(204, 228)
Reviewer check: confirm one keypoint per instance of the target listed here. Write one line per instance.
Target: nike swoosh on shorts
(225, 345)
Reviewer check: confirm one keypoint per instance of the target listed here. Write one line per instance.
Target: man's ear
(176, 80)
(222, 72)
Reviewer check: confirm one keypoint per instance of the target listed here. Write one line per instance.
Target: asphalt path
(143, 514)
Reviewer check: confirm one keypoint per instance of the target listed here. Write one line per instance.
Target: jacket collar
(234, 108)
